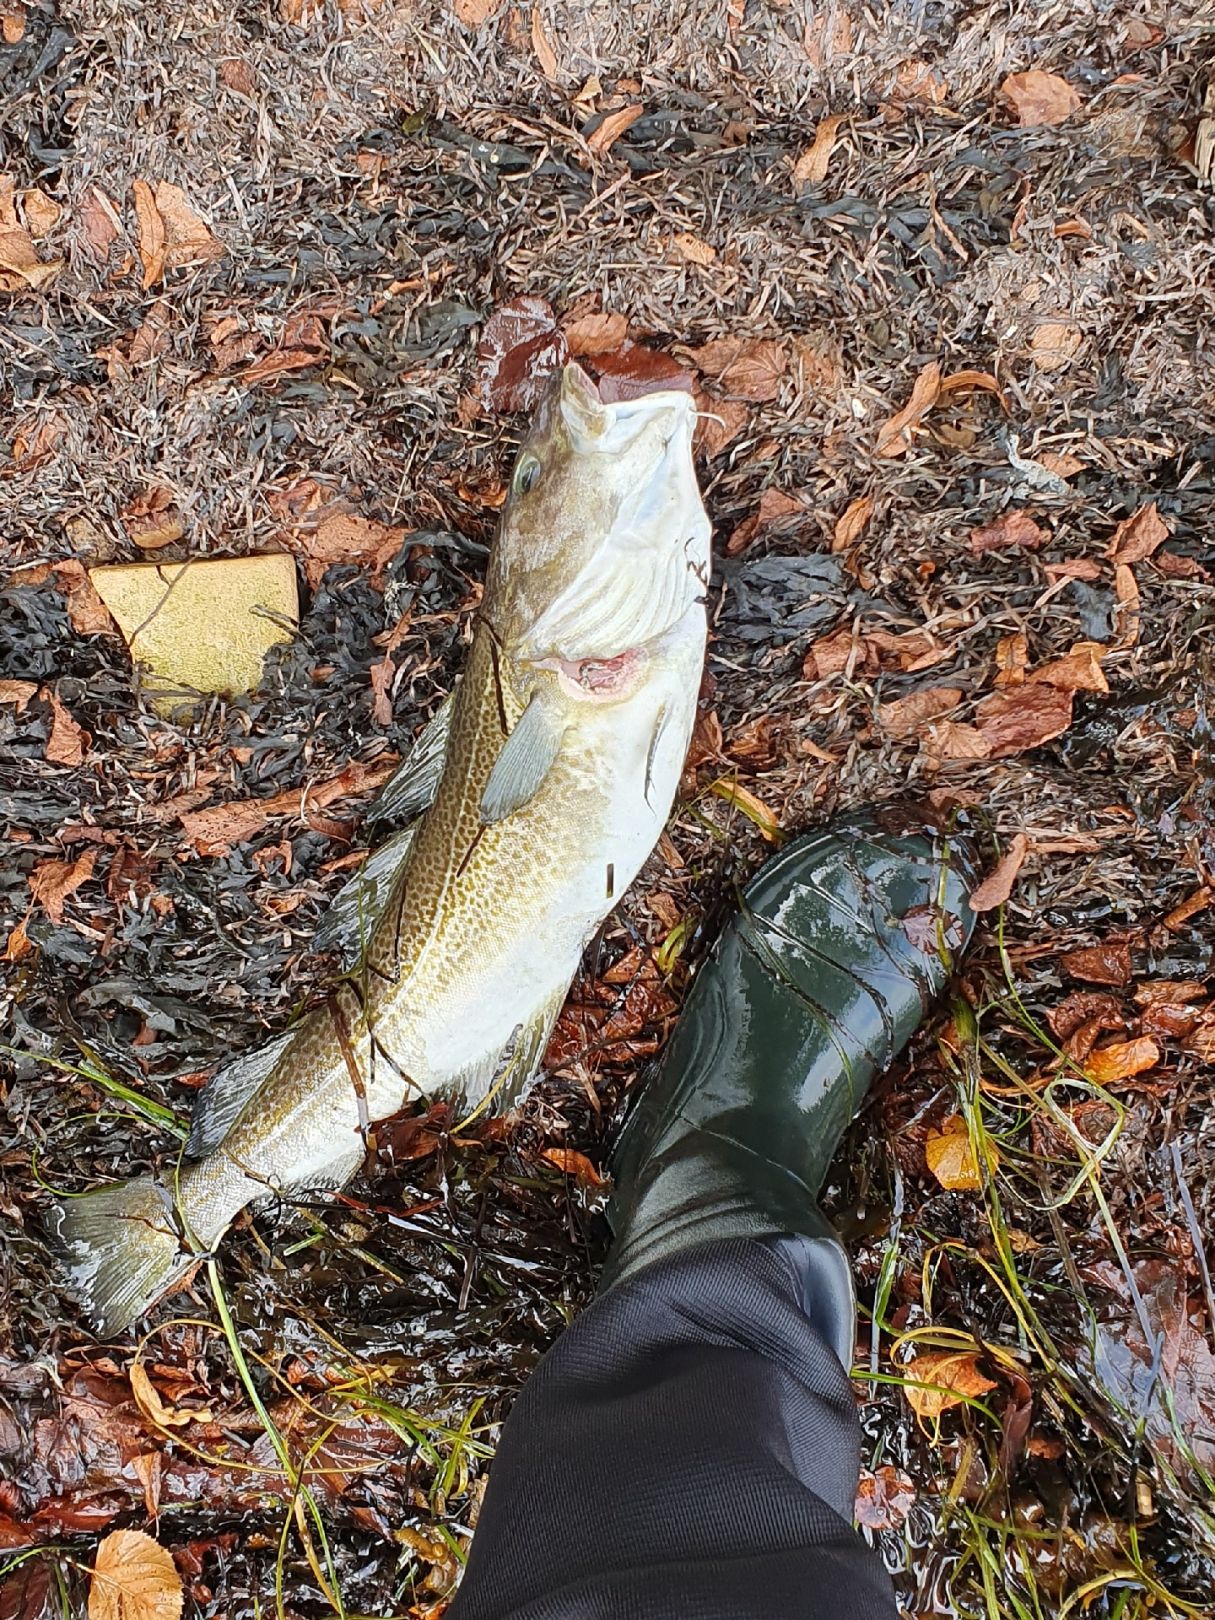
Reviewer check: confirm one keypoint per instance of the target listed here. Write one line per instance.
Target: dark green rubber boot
(840, 943)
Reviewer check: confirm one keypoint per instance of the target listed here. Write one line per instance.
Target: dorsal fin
(227, 1092)
(412, 787)
(359, 904)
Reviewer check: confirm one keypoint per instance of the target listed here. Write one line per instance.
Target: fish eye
(526, 475)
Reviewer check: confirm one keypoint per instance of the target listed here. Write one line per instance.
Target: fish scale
(566, 740)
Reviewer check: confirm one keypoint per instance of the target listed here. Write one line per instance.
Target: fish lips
(611, 428)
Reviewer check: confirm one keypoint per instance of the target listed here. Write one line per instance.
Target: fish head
(604, 541)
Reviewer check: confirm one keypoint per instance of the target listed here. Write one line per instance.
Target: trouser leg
(688, 1448)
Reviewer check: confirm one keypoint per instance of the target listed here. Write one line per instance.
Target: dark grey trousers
(688, 1448)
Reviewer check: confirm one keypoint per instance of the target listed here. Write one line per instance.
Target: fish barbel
(546, 783)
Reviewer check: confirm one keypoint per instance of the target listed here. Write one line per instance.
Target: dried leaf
(1176, 991)
(1012, 659)
(214, 831)
(187, 239)
(596, 334)
(20, 266)
(472, 13)
(960, 382)
(158, 1414)
(613, 127)
(811, 168)
(572, 1163)
(883, 1498)
(1079, 671)
(1062, 465)
(743, 368)
(521, 347)
(99, 223)
(1122, 1059)
(346, 537)
(544, 53)
(997, 886)
(1083, 1007)
(692, 250)
(1039, 98)
(68, 741)
(851, 525)
(42, 213)
(1139, 536)
(17, 693)
(52, 882)
(35, 443)
(1189, 907)
(947, 740)
(948, 1154)
(906, 716)
(18, 945)
(955, 1374)
(1109, 963)
(12, 23)
(1019, 717)
(1126, 594)
(895, 436)
(381, 685)
(1055, 345)
(774, 504)
(134, 1578)
(920, 81)
(151, 227)
(1012, 529)
(719, 422)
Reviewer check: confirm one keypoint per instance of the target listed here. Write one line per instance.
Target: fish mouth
(611, 427)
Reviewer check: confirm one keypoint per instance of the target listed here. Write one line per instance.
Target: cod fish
(544, 787)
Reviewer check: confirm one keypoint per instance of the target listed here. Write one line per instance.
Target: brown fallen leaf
(1054, 345)
(42, 213)
(1122, 1059)
(1074, 568)
(572, 1163)
(774, 504)
(280, 361)
(1189, 907)
(545, 55)
(1039, 98)
(884, 1498)
(88, 614)
(718, 423)
(1176, 991)
(1062, 465)
(171, 234)
(152, 521)
(1011, 529)
(1079, 671)
(1109, 963)
(851, 525)
(1083, 1007)
(596, 334)
(693, 249)
(998, 885)
(18, 945)
(905, 716)
(1138, 536)
(472, 13)
(151, 232)
(12, 23)
(18, 693)
(1177, 565)
(1127, 615)
(99, 223)
(134, 1578)
(20, 266)
(158, 1413)
(743, 368)
(214, 831)
(520, 348)
(960, 382)
(950, 1158)
(954, 1374)
(918, 80)
(612, 128)
(346, 537)
(1015, 718)
(68, 741)
(634, 370)
(381, 686)
(36, 439)
(811, 168)
(1012, 659)
(52, 882)
(895, 436)
(947, 740)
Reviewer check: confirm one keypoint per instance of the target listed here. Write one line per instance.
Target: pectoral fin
(527, 757)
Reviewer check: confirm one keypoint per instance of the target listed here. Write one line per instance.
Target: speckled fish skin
(568, 734)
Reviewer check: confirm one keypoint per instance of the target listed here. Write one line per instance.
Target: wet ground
(381, 180)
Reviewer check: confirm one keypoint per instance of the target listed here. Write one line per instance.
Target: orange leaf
(894, 436)
(596, 334)
(1054, 344)
(1018, 717)
(572, 1163)
(18, 693)
(719, 422)
(1138, 537)
(955, 1375)
(544, 52)
(1009, 530)
(51, 882)
(134, 1578)
(746, 368)
(997, 886)
(1012, 657)
(1099, 964)
(1079, 671)
(692, 250)
(18, 945)
(472, 13)
(811, 167)
(960, 381)
(613, 127)
(1189, 907)
(1039, 98)
(950, 1157)
(68, 741)
(850, 527)
(87, 612)
(150, 1403)
(905, 716)
(151, 227)
(1122, 1059)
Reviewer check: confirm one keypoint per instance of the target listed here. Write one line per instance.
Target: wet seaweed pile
(957, 437)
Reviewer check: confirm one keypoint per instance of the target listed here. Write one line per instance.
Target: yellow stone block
(201, 626)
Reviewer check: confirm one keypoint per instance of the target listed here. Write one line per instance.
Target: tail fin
(121, 1250)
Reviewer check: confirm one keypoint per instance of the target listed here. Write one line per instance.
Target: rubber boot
(839, 945)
